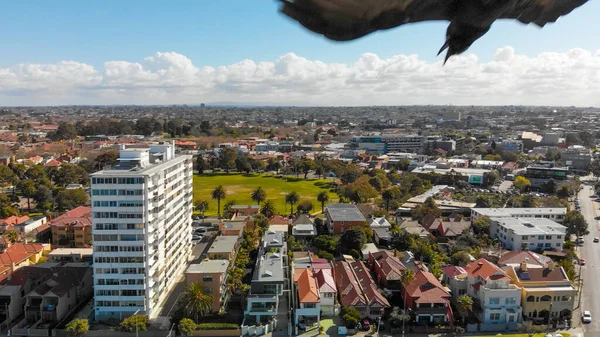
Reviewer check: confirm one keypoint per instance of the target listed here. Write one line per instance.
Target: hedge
(217, 326)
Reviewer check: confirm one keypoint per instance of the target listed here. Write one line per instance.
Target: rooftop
(208, 267)
(509, 212)
(223, 244)
(344, 212)
(535, 226)
(269, 268)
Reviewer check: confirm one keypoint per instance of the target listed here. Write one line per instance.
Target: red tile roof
(13, 220)
(486, 270)
(307, 286)
(80, 215)
(52, 162)
(278, 220)
(19, 252)
(356, 285)
(426, 288)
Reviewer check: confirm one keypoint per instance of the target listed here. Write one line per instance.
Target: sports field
(239, 187)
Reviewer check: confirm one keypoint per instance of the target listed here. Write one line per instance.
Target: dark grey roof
(344, 212)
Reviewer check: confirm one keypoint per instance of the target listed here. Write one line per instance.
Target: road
(591, 253)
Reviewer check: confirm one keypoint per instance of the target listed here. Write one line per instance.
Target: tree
(305, 206)
(27, 188)
(323, 197)
(350, 173)
(134, 323)
(460, 258)
(490, 178)
(242, 164)
(481, 226)
(576, 224)
(292, 198)
(12, 236)
(563, 191)
(325, 243)
(186, 326)
(77, 327)
(306, 165)
(69, 199)
(65, 131)
(201, 164)
(549, 186)
(407, 276)
(108, 158)
(7, 176)
(521, 183)
(228, 208)
(202, 207)
(387, 196)
(268, 208)
(353, 238)
(227, 159)
(217, 194)
(483, 201)
(259, 195)
(464, 304)
(350, 316)
(428, 207)
(376, 183)
(197, 299)
(35, 173)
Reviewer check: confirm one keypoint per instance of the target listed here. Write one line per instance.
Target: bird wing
(540, 12)
(343, 20)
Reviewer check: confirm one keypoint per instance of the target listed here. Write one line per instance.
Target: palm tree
(202, 206)
(406, 278)
(387, 196)
(218, 193)
(197, 300)
(323, 197)
(259, 195)
(292, 198)
(464, 304)
(268, 208)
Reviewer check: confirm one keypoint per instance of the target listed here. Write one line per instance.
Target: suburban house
(267, 285)
(532, 259)
(357, 289)
(440, 228)
(73, 228)
(223, 248)
(528, 234)
(212, 274)
(303, 228)
(7, 224)
(546, 292)
(232, 228)
(428, 299)
(68, 287)
(19, 255)
(245, 210)
(323, 274)
(497, 299)
(308, 299)
(387, 268)
(380, 222)
(382, 236)
(31, 224)
(412, 227)
(341, 217)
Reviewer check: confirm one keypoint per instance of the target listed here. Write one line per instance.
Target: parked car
(342, 330)
(366, 325)
(596, 239)
(586, 317)
(582, 262)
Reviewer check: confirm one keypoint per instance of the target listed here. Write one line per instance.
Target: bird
(345, 20)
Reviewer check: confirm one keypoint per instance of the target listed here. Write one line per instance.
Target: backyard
(238, 187)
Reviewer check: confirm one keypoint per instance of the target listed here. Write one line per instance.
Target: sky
(240, 51)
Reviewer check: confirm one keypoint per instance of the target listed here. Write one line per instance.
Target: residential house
(546, 292)
(446, 229)
(532, 259)
(29, 225)
(20, 255)
(266, 287)
(245, 210)
(232, 228)
(223, 248)
(323, 274)
(341, 217)
(428, 299)
(498, 299)
(357, 289)
(387, 268)
(380, 222)
(13, 220)
(308, 299)
(73, 229)
(412, 227)
(51, 301)
(528, 234)
(213, 275)
(303, 228)
(382, 236)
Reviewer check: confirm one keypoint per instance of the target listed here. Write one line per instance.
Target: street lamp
(137, 334)
(378, 325)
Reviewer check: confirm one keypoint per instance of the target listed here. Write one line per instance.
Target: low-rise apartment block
(556, 214)
(212, 274)
(528, 234)
(341, 217)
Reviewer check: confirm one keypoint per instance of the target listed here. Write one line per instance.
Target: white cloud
(571, 78)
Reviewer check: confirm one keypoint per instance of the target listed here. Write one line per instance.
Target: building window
(310, 305)
(511, 319)
(548, 244)
(494, 300)
(540, 245)
(531, 299)
(546, 298)
(207, 278)
(510, 300)
(462, 291)
(375, 312)
(524, 237)
(548, 237)
(540, 237)
(559, 236)
(494, 316)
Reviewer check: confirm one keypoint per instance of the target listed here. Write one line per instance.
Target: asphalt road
(590, 251)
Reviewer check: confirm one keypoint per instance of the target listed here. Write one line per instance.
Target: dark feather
(540, 12)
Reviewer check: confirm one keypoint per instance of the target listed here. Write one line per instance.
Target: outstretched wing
(541, 12)
(343, 20)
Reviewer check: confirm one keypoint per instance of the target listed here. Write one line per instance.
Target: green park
(239, 187)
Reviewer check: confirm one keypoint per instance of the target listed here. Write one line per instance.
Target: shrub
(217, 326)
(129, 324)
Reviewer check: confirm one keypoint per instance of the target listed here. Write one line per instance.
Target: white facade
(141, 218)
(531, 234)
(556, 214)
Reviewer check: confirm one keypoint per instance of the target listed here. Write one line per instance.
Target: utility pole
(580, 287)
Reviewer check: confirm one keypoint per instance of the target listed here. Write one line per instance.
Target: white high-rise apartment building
(141, 215)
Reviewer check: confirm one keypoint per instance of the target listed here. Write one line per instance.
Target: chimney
(550, 266)
(523, 266)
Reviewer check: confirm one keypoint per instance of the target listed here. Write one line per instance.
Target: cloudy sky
(240, 51)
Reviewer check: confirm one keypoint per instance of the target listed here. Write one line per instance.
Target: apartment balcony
(263, 308)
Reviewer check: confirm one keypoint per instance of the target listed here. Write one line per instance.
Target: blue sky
(218, 32)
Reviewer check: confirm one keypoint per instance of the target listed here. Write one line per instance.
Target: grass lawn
(239, 187)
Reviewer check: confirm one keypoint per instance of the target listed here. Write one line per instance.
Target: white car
(586, 317)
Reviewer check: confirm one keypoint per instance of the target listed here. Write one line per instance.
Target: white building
(556, 214)
(141, 216)
(528, 234)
